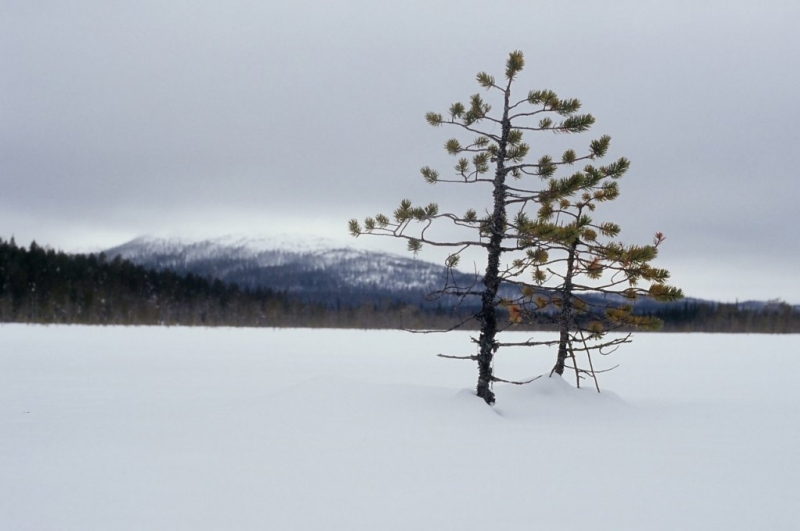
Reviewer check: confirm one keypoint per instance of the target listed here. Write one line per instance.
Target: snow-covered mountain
(315, 269)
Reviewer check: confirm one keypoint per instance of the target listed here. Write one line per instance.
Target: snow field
(252, 429)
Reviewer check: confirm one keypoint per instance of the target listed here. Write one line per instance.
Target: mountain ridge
(317, 270)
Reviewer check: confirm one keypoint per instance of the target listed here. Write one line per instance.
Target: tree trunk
(488, 320)
(565, 319)
(491, 279)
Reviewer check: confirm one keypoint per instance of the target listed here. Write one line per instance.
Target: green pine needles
(549, 262)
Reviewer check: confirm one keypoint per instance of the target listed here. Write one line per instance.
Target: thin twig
(457, 357)
(496, 379)
(591, 365)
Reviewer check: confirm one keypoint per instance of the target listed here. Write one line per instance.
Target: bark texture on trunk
(491, 279)
(565, 319)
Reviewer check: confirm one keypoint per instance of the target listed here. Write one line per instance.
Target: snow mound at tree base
(340, 401)
(554, 396)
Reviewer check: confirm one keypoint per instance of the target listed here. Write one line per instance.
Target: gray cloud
(288, 116)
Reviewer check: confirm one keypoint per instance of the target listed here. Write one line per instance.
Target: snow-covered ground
(241, 429)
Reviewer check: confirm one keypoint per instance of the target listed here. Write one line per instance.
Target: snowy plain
(137, 428)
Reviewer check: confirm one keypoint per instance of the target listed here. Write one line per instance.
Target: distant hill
(335, 276)
(315, 270)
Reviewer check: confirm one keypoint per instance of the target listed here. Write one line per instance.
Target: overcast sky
(199, 117)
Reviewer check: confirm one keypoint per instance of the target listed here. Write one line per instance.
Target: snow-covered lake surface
(246, 429)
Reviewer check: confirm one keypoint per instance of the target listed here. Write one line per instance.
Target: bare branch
(496, 379)
(457, 357)
(473, 130)
(529, 343)
(532, 113)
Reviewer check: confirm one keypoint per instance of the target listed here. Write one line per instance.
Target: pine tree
(495, 157)
(583, 281)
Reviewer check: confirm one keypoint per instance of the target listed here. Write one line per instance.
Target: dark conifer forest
(40, 285)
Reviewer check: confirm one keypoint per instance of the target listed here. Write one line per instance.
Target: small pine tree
(495, 157)
(582, 281)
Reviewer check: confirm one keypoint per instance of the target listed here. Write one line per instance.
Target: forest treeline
(775, 317)
(39, 285)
